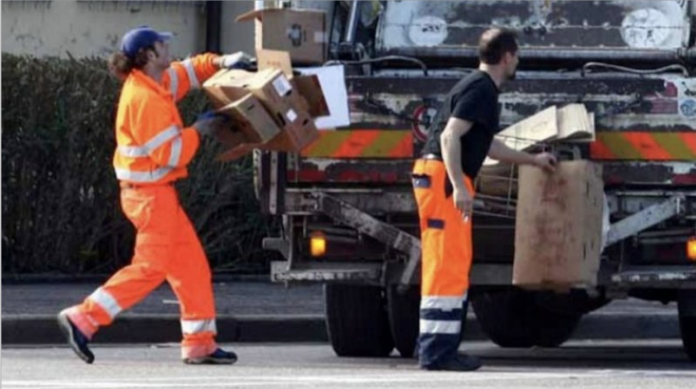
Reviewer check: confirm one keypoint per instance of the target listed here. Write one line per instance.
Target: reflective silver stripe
(188, 64)
(173, 81)
(445, 303)
(156, 141)
(106, 301)
(175, 155)
(440, 326)
(198, 326)
(141, 177)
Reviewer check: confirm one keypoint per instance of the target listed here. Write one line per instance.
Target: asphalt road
(587, 364)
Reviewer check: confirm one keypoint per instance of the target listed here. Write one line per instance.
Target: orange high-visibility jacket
(153, 145)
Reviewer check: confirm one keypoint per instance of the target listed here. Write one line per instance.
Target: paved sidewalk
(231, 298)
(265, 312)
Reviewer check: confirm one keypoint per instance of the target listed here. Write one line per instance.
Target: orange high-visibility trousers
(446, 261)
(166, 248)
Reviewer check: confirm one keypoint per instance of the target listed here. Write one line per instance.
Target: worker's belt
(432, 157)
(128, 185)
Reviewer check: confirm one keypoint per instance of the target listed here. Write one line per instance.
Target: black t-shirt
(474, 99)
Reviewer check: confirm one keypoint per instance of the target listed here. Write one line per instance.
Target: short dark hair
(494, 43)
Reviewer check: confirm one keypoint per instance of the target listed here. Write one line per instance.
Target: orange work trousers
(166, 248)
(446, 261)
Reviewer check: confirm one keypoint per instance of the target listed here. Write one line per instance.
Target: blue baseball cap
(140, 38)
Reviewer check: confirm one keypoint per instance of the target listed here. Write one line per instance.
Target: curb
(42, 329)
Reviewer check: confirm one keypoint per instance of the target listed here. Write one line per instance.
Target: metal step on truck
(349, 218)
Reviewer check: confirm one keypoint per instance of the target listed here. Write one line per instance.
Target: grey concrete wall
(94, 28)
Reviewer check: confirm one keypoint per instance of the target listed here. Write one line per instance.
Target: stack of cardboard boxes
(273, 108)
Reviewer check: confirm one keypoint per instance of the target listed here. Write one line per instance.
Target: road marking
(398, 376)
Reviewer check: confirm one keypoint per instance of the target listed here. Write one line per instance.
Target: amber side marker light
(691, 249)
(317, 244)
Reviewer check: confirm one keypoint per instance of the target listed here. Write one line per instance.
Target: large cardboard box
(558, 231)
(251, 119)
(302, 33)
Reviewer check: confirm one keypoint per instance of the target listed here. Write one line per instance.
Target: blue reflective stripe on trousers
(438, 314)
(438, 224)
(440, 335)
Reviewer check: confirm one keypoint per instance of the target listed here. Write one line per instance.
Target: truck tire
(512, 318)
(404, 318)
(686, 303)
(357, 321)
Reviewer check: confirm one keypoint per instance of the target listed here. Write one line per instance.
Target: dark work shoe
(219, 357)
(462, 362)
(76, 339)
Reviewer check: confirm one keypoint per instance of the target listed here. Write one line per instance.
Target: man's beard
(512, 76)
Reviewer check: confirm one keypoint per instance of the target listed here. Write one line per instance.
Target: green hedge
(60, 205)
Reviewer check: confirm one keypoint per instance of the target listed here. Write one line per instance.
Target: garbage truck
(349, 218)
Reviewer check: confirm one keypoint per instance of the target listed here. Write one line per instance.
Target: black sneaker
(462, 362)
(76, 339)
(219, 357)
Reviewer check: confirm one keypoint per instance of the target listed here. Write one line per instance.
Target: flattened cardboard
(541, 127)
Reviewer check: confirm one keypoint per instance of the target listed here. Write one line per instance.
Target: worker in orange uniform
(154, 148)
(461, 137)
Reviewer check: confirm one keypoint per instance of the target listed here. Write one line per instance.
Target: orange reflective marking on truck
(643, 145)
(359, 143)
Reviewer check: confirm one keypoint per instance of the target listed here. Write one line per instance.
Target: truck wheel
(357, 321)
(686, 304)
(404, 315)
(512, 318)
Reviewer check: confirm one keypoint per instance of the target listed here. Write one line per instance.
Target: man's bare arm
(450, 142)
(501, 152)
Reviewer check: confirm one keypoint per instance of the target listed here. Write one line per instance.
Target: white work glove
(238, 60)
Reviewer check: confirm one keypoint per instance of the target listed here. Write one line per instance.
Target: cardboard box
(558, 231)
(307, 86)
(310, 88)
(251, 119)
(295, 136)
(271, 87)
(302, 33)
(222, 88)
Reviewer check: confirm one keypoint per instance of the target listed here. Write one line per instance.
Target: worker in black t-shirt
(458, 142)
